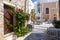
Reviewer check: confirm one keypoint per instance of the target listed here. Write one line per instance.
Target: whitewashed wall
(1, 20)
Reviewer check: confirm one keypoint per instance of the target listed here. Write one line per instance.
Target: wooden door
(8, 16)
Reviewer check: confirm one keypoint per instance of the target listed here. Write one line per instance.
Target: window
(39, 10)
(47, 10)
(38, 4)
(38, 7)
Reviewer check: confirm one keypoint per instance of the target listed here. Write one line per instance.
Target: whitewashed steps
(39, 32)
(39, 29)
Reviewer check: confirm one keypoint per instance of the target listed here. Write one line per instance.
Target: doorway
(7, 17)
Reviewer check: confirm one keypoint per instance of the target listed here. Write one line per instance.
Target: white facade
(31, 6)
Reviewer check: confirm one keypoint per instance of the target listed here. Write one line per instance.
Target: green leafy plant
(56, 23)
(20, 29)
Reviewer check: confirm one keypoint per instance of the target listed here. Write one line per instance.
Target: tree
(33, 18)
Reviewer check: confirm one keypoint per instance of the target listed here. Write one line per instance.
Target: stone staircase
(40, 29)
(39, 32)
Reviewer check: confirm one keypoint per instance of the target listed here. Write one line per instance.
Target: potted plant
(19, 29)
(56, 23)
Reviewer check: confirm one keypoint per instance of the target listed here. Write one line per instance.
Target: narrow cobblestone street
(39, 32)
(29, 20)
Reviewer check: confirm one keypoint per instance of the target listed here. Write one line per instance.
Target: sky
(44, 0)
(34, 1)
(50, 0)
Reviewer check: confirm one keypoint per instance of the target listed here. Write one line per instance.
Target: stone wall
(1, 21)
(2, 36)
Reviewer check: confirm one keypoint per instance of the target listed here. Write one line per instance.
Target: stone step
(40, 27)
(47, 26)
(39, 30)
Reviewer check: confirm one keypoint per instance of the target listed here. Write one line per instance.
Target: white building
(31, 6)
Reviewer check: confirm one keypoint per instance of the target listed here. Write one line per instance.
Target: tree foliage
(33, 15)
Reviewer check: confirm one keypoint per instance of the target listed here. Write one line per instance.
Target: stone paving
(35, 36)
(39, 32)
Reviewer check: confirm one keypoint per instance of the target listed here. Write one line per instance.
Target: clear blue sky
(34, 0)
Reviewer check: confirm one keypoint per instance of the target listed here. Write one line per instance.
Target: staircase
(39, 32)
(39, 29)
